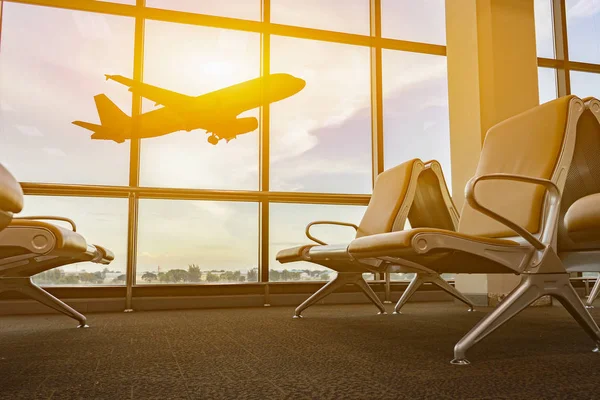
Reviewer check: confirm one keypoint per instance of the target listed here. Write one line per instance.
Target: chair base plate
(460, 361)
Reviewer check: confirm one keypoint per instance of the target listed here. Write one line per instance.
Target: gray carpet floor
(335, 352)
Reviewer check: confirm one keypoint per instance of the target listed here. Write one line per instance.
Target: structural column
(492, 75)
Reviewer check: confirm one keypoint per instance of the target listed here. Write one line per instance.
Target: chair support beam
(342, 278)
(531, 288)
(30, 289)
(436, 279)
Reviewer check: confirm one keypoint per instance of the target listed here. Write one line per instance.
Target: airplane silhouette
(216, 112)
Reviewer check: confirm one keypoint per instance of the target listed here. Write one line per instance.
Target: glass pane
(350, 16)
(544, 31)
(321, 137)
(547, 84)
(415, 109)
(100, 221)
(196, 60)
(286, 229)
(185, 241)
(583, 25)
(585, 84)
(417, 21)
(49, 75)
(244, 9)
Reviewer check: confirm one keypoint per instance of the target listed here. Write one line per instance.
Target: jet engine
(231, 130)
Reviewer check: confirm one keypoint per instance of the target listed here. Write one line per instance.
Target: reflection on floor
(335, 352)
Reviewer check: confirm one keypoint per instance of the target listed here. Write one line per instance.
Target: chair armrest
(51, 218)
(314, 239)
(552, 215)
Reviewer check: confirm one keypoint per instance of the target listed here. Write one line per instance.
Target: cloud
(584, 9)
(30, 131)
(53, 151)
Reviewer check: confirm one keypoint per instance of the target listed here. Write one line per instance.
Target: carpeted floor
(335, 352)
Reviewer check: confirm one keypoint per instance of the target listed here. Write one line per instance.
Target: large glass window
(415, 109)
(287, 225)
(544, 28)
(584, 84)
(100, 221)
(321, 137)
(245, 9)
(352, 16)
(547, 84)
(583, 23)
(185, 241)
(197, 60)
(52, 64)
(417, 21)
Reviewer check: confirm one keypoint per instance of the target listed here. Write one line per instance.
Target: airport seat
(579, 229)
(30, 245)
(508, 223)
(11, 197)
(413, 190)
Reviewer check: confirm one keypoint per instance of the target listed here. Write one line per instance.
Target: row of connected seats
(28, 246)
(415, 191)
(532, 209)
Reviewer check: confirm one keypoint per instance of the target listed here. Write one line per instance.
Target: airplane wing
(158, 95)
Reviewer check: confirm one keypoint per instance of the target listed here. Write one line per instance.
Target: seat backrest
(11, 197)
(392, 197)
(536, 143)
(432, 205)
(583, 178)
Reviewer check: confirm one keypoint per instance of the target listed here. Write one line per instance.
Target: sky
(52, 66)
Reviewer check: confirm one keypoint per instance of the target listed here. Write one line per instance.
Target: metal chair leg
(593, 294)
(416, 282)
(361, 283)
(448, 288)
(570, 300)
(339, 281)
(531, 288)
(28, 288)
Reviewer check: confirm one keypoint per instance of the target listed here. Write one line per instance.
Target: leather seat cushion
(582, 219)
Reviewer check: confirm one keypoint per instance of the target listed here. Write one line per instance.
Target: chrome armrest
(554, 198)
(314, 239)
(51, 218)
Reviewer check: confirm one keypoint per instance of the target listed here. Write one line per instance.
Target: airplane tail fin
(110, 115)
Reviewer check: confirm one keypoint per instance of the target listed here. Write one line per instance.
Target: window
(584, 84)
(100, 221)
(244, 9)
(547, 84)
(415, 109)
(321, 137)
(352, 16)
(287, 225)
(544, 32)
(196, 60)
(53, 62)
(186, 241)
(51, 67)
(417, 21)
(583, 22)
